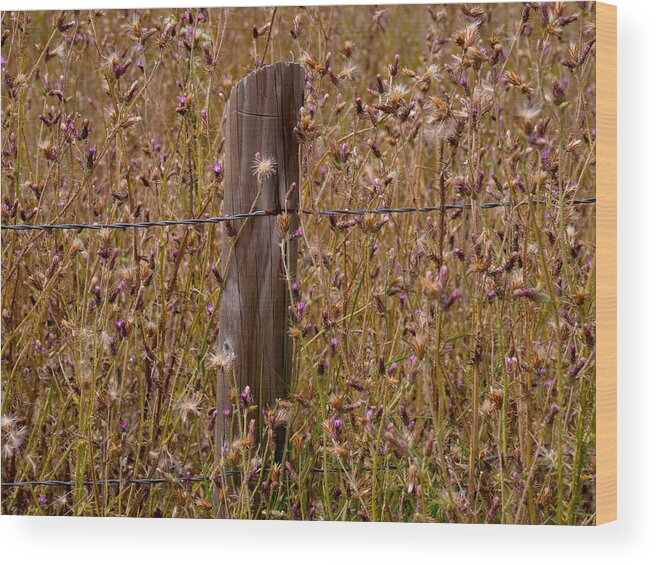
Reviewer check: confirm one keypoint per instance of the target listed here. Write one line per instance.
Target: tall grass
(444, 363)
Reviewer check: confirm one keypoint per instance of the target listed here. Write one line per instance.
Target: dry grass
(457, 348)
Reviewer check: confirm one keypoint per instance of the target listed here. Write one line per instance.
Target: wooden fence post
(262, 163)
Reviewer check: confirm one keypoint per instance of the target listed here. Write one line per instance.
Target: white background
(630, 539)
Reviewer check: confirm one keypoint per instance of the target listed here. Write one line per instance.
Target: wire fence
(174, 480)
(187, 479)
(217, 220)
(266, 213)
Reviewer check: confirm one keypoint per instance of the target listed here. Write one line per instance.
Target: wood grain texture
(606, 378)
(261, 115)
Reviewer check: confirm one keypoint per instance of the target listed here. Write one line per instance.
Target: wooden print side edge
(606, 284)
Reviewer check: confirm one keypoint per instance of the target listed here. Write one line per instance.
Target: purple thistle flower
(246, 397)
(295, 287)
(344, 153)
(184, 103)
(42, 500)
(441, 277)
(97, 294)
(336, 425)
(91, 157)
(121, 328)
(491, 293)
(558, 91)
(510, 365)
(575, 369)
(123, 425)
(530, 293)
(457, 293)
(119, 70)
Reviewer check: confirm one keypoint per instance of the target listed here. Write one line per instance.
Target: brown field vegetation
(444, 362)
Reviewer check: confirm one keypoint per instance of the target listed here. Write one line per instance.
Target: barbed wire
(200, 478)
(101, 482)
(265, 213)
(489, 459)
(145, 225)
(175, 480)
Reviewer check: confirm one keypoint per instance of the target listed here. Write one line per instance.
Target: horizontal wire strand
(194, 479)
(138, 481)
(267, 213)
(191, 479)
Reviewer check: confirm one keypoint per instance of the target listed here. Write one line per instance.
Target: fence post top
(271, 91)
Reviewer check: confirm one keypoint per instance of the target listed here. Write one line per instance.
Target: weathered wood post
(262, 162)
